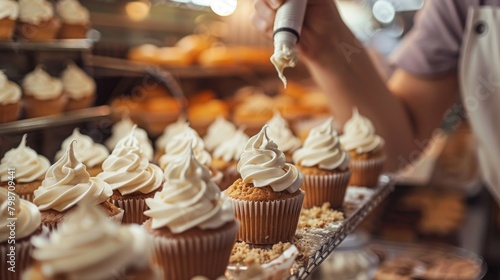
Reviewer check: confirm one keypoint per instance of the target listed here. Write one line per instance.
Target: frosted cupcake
(218, 131)
(75, 19)
(282, 135)
(132, 178)
(9, 12)
(366, 150)
(78, 87)
(122, 128)
(66, 184)
(10, 97)
(227, 155)
(37, 21)
(27, 224)
(325, 165)
(43, 94)
(267, 200)
(87, 245)
(169, 132)
(193, 224)
(29, 167)
(91, 154)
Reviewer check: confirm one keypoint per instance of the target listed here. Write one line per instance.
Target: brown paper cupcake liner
(186, 256)
(365, 173)
(133, 209)
(22, 259)
(325, 188)
(9, 112)
(268, 222)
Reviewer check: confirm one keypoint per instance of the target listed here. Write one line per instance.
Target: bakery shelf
(54, 45)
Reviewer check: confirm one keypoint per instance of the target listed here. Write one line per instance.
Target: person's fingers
(264, 11)
(275, 4)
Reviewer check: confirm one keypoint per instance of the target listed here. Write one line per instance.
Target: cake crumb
(319, 217)
(243, 254)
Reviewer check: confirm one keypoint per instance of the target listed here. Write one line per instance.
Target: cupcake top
(40, 85)
(76, 83)
(68, 183)
(88, 245)
(180, 144)
(263, 164)
(72, 12)
(189, 198)
(232, 148)
(280, 133)
(27, 215)
(10, 92)
(322, 149)
(169, 132)
(359, 135)
(122, 128)
(128, 170)
(91, 154)
(9, 9)
(219, 131)
(28, 164)
(35, 11)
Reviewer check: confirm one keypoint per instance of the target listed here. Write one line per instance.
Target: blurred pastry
(201, 115)
(9, 12)
(78, 87)
(195, 44)
(174, 56)
(37, 21)
(121, 130)
(219, 131)
(158, 112)
(201, 97)
(254, 113)
(290, 109)
(216, 56)
(316, 102)
(43, 94)
(10, 99)
(75, 19)
(144, 53)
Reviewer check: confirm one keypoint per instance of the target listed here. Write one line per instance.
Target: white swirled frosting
(10, 92)
(76, 83)
(322, 149)
(27, 215)
(189, 198)
(88, 245)
(9, 9)
(219, 131)
(121, 130)
(28, 164)
(263, 164)
(87, 151)
(128, 170)
(281, 134)
(67, 183)
(232, 148)
(40, 85)
(72, 12)
(169, 132)
(359, 135)
(35, 11)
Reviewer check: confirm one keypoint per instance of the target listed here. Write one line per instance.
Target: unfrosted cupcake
(366, 150)
(218, 131)
(121, 130)
(75, 19)
(43, 94)
(281, 134)
(227, 155)
(29, 168)
(87, 245)
(193, 224)
(267, 200)
(37, 21)
(9, 12)
(27, 224)
(325, 165)
(66, 184)
(132, 178)
(203, 114)
(78, 87)
(169, 132)
(10, 97)
(91, 154)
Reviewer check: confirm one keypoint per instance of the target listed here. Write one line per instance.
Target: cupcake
(8, 16)
(87, 245)
(66, 184)
(121, 130)
(219, 131)
(192, 223)
(37, 21)
(75, 19)
(43, 94)
(78, 87)
(282, 135)
(366, 150)
(226, 156)
(169, 132)
(27, 223)
(202, 115)
(132, 178)
(10, 96)
(30, 169)
(325, 165)
(144, 53)
(91, 154)
(267, 199)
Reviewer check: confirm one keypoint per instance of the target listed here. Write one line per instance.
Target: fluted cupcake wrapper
(186, 256)
(268, 222)
(325, 188)
(22, 259)
(365, 173)
(9, 112)
(133, 209)
(28, 196)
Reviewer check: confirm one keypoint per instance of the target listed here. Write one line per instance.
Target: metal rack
(54, 45)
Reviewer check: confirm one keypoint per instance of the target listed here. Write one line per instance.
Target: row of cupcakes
(39, 20)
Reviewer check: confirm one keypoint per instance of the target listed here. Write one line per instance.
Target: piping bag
(287, 27)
